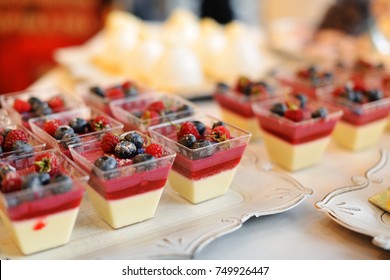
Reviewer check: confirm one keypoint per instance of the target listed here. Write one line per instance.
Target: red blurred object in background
(30, 30)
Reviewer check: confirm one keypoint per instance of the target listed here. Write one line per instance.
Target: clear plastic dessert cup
(202, 173)
(86, 113)
(49, 103)
(236, 101)
(33, 142)
(4, 118)
(140, 113)
(40, 217)
(291, 144)
(131, 192)
(364, 121)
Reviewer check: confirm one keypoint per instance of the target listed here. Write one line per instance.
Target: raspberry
(100, 123)
(11, 182)
(47, 162)
(114, 93)
(220, 134)
(22, 106)
(12, 136)
(188, 128)
(109, 142)
(155, 150)
(50, 126)
(157, 106)
(56, 103)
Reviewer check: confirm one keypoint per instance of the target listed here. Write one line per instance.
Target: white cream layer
(125, 211)
(204, 189)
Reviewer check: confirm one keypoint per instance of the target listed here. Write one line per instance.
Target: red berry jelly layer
(361, 118)
(230, 103)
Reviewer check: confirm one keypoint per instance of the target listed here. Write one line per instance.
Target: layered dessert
(40, 198)
(296, 129)
(365, 115)
(143, 112)
(17, 140)
(99, 95)
(236, 101)
(24, 105)
(127, 175)
(70, 127)
(208, 154)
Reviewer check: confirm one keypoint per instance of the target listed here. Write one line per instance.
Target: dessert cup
(70, 102)
(139, 113)
(37, 127)
(41, 218)
(207, 172)
(128, 194)
(296, 144)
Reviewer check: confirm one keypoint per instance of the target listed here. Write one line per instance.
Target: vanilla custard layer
(248, 124)
(294, 156)
(38, 234)
(203, 189)
(358, 137)
(126, 211)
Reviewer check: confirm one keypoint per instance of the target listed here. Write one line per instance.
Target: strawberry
(114, 93)
(188, 128)
(100, 123)
(155, 150)
(109, 142)
(220, 134)
(56, 103)
(294, 115)
(50, 126)
(151, 116)
(11, 182)
(157, 106)
(12, 136)
(21, 106)
(47, 162)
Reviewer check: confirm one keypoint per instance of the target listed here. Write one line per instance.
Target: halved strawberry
(220, 133)
(188, 128)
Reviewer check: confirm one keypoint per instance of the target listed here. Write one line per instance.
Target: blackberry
(62, 131)
(125, 149)
(187, 140)
(79, 125)
(135, 138)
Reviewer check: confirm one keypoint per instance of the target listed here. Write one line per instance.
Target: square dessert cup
(99, 94)
(203, 173)
(296, 144)
(42, 217)
(140, 113)
(235, 101)
(86, 113)
(70, 102)
(362, 124)
(129, 194)
(36, 144)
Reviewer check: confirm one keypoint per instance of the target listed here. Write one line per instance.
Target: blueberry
(218, 123)
(125, 149)
(131, 91)
(142, 157)
(106, 163)
(69, 139)
(206, 152)
(374, 95)
(61, 131)
(140, 151)
(34, 102)
(200, 127)
(65, 184)
(279, 109)
(79, 125)
(43, 109)
(135, 138)
(21, 147)
(320, 113)
(302, 100)
(44, 177)
(31, 181)
(187, 140)
(222, 87)
(97, 90)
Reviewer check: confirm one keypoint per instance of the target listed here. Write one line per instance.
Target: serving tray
(349, 205)
(179, 229)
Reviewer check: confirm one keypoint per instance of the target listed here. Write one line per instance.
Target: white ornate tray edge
(381, 231)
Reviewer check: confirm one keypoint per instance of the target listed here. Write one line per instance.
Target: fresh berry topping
(218, 123)
(34, 102)
(108, 143)
(155, 150)
(200, 144)
(222, 87)
(200, 127)
(374, 95)
(5, 169)
(22, 147)
(187, 140)
(98, 91)
(11, 182)
(62, 130)
(279, 109)
(125, 150)
(44, 177)
(69, 139)
(31, 181)
(150, 115)
(43, 109)
(56, 103)
(79, 125)
(294, 115)
(320, 113)
(188, 128)
(64, 182)
(100, 123)
(4, 132)
(21, 106)
(242, 84)
(140, 151)
(220, 134)
(114, 93)
(302, 100)
(12, 136)
(135, 138)
(157, 106)
(47, 162)
(106, 163)
(205, 152)
(142, 157)
(50, 126)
